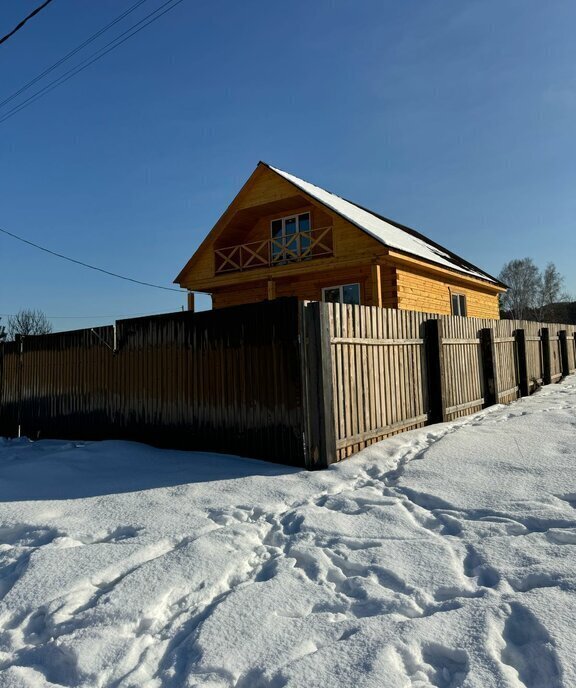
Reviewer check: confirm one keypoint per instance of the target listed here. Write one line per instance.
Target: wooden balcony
(294, 248)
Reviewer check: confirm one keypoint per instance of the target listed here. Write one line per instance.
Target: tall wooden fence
(226, 381)
(386, 371)
(306, 384)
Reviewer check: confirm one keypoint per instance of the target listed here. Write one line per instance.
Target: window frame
(284, 238)
(462, 304)
(340, 288)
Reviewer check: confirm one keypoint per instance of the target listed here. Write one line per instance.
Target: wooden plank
(396, 386)
(364, 395)
(347, 372)
(377, 371)
(462, 340)
(376, 286)
(340, 388)
(506, 392)
(385, 430)
(371, 341)
(321, 440)
(464, 407)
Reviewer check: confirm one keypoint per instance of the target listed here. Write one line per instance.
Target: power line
(94, 57)
(21, 24)
(89, 317)
(87, 265)
(73, 52)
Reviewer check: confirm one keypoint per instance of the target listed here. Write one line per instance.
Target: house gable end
(266, 195)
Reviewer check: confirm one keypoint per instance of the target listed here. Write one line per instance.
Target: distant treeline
(563, 312)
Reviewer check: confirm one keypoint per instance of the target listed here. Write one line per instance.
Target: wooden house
(282, 236)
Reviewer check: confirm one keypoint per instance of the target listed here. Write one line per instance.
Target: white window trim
(459, 294)
(279, 254)
(291, 217)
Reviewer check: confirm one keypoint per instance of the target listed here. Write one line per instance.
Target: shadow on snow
(57, 469)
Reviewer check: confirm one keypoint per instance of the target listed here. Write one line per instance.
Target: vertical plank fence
(226, 381)
(306, 384)
(397, 370)
(378, 373)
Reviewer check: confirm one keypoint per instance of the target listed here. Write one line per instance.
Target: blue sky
(454, 117)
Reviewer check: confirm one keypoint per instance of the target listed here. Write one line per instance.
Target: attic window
(459, 304)
(290, 237)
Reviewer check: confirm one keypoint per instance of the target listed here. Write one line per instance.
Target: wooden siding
(248, 219)
(418, 291)
(236, 296)
(260, 230)
(405, 282)
(307, 286)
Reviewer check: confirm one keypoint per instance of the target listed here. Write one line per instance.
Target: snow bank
(442, 557)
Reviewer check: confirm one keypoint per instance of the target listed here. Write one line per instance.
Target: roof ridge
(455, 261)
(423, 237)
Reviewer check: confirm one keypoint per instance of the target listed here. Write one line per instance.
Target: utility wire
(90, 317)
(73, 52)
(21, 24)
(115, 43)
(87, 265)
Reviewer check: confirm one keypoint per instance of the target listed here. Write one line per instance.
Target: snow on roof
(388, 233)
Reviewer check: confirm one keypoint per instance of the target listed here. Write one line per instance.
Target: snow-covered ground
(442, 557)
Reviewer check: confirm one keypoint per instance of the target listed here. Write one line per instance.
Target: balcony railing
(293, 248)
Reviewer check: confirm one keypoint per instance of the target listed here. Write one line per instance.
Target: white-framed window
(290, 237)
(459, 304)
(344, 293)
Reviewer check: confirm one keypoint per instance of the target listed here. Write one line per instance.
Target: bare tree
(2, 333)
(524, 282)
(28, 322)
(550, 293)
(532, 295)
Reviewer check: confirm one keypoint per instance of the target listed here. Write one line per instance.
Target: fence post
(563, 338)
(435, 371)
(20, 342)
(520, 336)
(488, 350)
(319, 423)
(546, 362)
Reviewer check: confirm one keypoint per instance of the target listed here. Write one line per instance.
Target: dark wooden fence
(305, 384)
(226, 381)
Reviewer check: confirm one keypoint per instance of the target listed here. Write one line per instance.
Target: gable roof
(390, 233)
